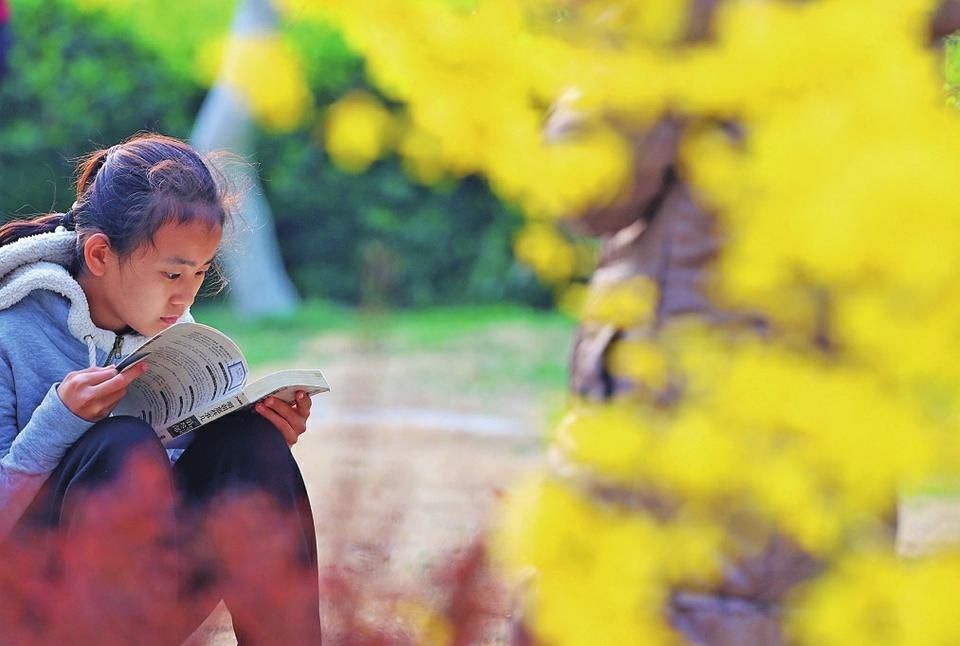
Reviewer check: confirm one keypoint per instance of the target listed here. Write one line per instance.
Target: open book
(197, 374)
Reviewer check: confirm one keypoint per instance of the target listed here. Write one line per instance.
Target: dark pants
(230, 519)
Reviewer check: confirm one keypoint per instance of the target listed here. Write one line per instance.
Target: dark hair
(128, 191)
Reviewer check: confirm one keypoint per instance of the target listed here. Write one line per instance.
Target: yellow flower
(624, 304)
(358, 131)
(611, 440)
(641, 360)
(540, 246)
(266, 72)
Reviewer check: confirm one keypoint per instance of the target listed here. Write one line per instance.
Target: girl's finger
(119, 381)
(304, 403)
(285, 410)
(96, 373)
(279, 422)
(94, 376)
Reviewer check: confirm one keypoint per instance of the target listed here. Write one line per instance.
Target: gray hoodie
(45, 332)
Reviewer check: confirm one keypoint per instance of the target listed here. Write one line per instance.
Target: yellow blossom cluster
(595, 573)
(814, 448)
(820, 135)
(626, 303)
(358, 131)
(886, 600)
(641, 361)
(497, 78)
(266, 71)
(262, 67)
(542, 247)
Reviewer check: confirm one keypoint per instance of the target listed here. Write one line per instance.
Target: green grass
(437, 327)
(278, 338)
(939, 486)
(405, 331)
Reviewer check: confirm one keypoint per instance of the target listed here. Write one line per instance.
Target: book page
(191, 367)
(285, 384)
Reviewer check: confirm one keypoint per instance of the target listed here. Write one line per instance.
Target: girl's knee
(248, 432)
(238, 453)
(247, 441)
(116, 446)
(259, 432)
(122, 435)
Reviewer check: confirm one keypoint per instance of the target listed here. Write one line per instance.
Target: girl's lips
(169, 320)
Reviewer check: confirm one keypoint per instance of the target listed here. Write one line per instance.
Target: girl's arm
(27, 457)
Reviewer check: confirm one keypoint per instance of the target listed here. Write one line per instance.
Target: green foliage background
(86, 77)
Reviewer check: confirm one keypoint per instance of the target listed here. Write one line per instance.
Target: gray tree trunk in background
(259, 284)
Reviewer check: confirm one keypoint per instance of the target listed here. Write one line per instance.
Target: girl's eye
(201, 274)
(171, 276)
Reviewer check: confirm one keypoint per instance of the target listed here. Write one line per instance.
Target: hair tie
(67, 222)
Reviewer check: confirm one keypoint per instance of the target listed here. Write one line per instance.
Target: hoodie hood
(42, 261)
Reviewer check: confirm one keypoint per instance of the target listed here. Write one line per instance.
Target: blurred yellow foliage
(640, 360)
(624, 304)
(597, 572)
(266, 71)
(358, 131)
(543, 248)
(886, 600)
(819, 135)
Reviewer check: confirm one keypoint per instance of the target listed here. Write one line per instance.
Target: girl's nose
(182, 299)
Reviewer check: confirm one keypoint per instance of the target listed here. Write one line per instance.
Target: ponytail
(13, 231)
(86, 173)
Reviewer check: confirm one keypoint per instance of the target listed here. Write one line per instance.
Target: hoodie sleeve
(28, 457)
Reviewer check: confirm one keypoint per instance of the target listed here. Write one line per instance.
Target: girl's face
(151, 288)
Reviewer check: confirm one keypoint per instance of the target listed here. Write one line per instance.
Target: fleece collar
(41, 262)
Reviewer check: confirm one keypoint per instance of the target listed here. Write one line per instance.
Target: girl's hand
(290, 419)
(93, 392)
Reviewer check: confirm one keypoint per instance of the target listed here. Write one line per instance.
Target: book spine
(194, 422)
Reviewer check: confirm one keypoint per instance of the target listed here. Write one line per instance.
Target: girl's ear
(97, 254)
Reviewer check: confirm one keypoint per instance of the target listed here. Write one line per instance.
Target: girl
(78, 291)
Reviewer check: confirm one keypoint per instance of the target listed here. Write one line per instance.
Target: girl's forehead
(196, 242)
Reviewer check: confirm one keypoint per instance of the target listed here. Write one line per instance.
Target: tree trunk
(259, 284)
